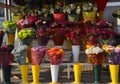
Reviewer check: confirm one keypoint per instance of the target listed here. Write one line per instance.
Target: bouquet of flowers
(55, 55)
(24, 23)
(95, 55)
(37, 54)
(106, 36)
(6, 58)
(9, 26)
(26, 35)
(1, 36)
(20, 54)
(112, 54)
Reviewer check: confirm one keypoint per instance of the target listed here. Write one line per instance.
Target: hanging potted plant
(73, 12)
(58, 11)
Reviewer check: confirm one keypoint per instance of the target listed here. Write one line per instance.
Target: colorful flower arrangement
(24, 23)
(37, 54)
(26, 35)
(106, 36)
(55, 55)
(116, 13)
(9, 26)
(112, 54)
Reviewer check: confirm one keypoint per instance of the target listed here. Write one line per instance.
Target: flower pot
(11, 38)
(75, 52)
(7, 74)
(43, 41)
(58, 40)
(97, 73)
(77, 67)
(24, 74)
(89, 16)
(59, 17)
(73, 17)
(54, 73)
(16, 18)
(35, 74)
(114, 73)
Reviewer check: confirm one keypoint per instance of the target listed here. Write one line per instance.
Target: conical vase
(75, 52)
(7, 74)
(97, 73)
(24, 74)
(77, 67)
(114, 73)
(54, 74)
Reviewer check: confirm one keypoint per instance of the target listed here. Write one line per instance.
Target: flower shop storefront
(59, 33)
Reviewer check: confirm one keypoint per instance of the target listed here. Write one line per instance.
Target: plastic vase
(97, 73)
(35, 74)
(24, 74)
(7, 74)
(75, 52)
(28, 57)
(77, 67)
(89, 16)
(54, 74)
(11, 39)
(114, 72)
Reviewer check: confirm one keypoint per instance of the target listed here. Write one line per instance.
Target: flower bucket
(59, 17)
(58, 40)
(43, 41)
(73, 17)
(97, 73)
(11, 39)
(114, 73)
(75, 52)
(89, 16)
(24, 74)
(77, 67)
(54, 73)
(16, 18)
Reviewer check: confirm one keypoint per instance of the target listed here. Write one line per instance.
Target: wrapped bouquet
(55, 55)
(20, 54)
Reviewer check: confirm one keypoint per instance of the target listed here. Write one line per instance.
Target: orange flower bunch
(55, 55)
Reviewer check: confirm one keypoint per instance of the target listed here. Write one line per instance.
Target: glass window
(2, 17)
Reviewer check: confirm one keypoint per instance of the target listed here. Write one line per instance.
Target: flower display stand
(77, 67)
(114, 73)
(75, 52)
(54, 73)
(24, 74)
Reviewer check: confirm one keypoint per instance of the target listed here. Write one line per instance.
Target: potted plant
(89, 11)
(73, 12)
(58, 11)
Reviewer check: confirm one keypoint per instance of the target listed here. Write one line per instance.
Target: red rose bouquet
(55, 55)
